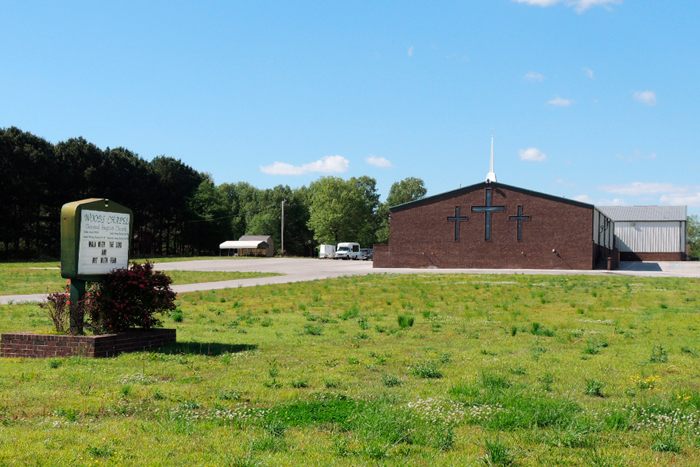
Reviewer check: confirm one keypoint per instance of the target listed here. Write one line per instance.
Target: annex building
(649, 233)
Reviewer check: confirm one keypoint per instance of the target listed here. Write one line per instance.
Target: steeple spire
(491, 176)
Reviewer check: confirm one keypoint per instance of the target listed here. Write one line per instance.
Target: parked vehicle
(326, 251)
(347, 250)
(366, 254)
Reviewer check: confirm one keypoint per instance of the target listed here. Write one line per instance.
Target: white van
(326, 251)
(347, 250)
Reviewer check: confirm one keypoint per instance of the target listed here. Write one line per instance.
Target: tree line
(177, 210)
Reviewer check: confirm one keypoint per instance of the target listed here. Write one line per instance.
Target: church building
(493, 225)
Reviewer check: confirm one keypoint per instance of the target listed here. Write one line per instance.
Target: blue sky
(595, 100)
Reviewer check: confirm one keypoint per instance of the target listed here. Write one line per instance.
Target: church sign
(95, 238)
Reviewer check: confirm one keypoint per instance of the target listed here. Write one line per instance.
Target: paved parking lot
(308, 269)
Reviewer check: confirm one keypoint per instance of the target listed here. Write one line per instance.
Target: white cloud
(582, 5)
(579, 5)
(532, 154)
(600, 201)
(326, 165)
(671, 194)
(533, 76)
(648, 193)
(542, 3)
(641, 189)
(377, 161)
(589, 72)
(584, 199)
(410, 51)
(560, 102)
(645, 97)
(689, 199)
(637, 156)
(281, 168)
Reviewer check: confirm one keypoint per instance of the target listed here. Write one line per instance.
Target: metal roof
(260, 238)
(645, 213)
(245, 244)
(459, 191)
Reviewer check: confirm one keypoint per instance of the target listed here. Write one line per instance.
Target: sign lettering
(104, 242)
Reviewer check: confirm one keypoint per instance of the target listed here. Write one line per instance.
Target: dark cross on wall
(456, 220)
(488, 209)
(520, 218)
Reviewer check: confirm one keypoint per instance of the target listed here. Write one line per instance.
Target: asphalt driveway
(309, 269)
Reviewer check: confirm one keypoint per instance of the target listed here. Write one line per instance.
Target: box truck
(348, 250)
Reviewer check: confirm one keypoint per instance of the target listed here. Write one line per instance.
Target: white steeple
(491, 176)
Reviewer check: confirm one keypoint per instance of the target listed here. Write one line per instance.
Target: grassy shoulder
(382, 369)
(33, 278)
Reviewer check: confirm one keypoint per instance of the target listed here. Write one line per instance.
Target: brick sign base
(30, 345)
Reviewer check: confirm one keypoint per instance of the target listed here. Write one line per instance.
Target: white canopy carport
(242, 245)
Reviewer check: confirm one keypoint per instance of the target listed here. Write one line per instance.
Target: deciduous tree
(405, 191)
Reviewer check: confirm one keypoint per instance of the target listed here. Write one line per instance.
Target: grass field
(33, 278)
(432, 370)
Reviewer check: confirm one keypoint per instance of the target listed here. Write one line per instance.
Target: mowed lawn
(45, 277)
(424, 370)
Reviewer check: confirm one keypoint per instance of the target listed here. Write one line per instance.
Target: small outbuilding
(249, 245)
(649, 233)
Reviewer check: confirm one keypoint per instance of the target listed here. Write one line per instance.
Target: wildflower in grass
(651, 383)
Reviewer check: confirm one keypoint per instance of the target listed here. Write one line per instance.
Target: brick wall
(631, 256)
(30, 345)
(558, 235)
(380, 257)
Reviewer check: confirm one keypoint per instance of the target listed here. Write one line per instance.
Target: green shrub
(539, 330)
(55, 363)
(444, 439)
(331, 383)
(594, 387)
(405, 321)
(352, 312)
(129, 298)
(497, 454)
(665, 442)
(658, 355)
(391, 381)
(301, 383)
(312, 330)
(493, 382)
(427, 369)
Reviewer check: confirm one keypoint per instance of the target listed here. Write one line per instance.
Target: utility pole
(283, 201)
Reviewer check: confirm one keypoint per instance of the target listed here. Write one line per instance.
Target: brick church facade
(493, 225)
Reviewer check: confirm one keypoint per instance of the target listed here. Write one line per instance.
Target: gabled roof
(467, 189)
(250, 244)
(645, 213)
(260, 238)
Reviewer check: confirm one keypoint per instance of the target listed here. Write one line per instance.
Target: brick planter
(30, 345)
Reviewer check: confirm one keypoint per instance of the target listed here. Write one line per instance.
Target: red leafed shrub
(57, 308)
(129, 298)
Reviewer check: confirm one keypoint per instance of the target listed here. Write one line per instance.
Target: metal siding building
(649, 233)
